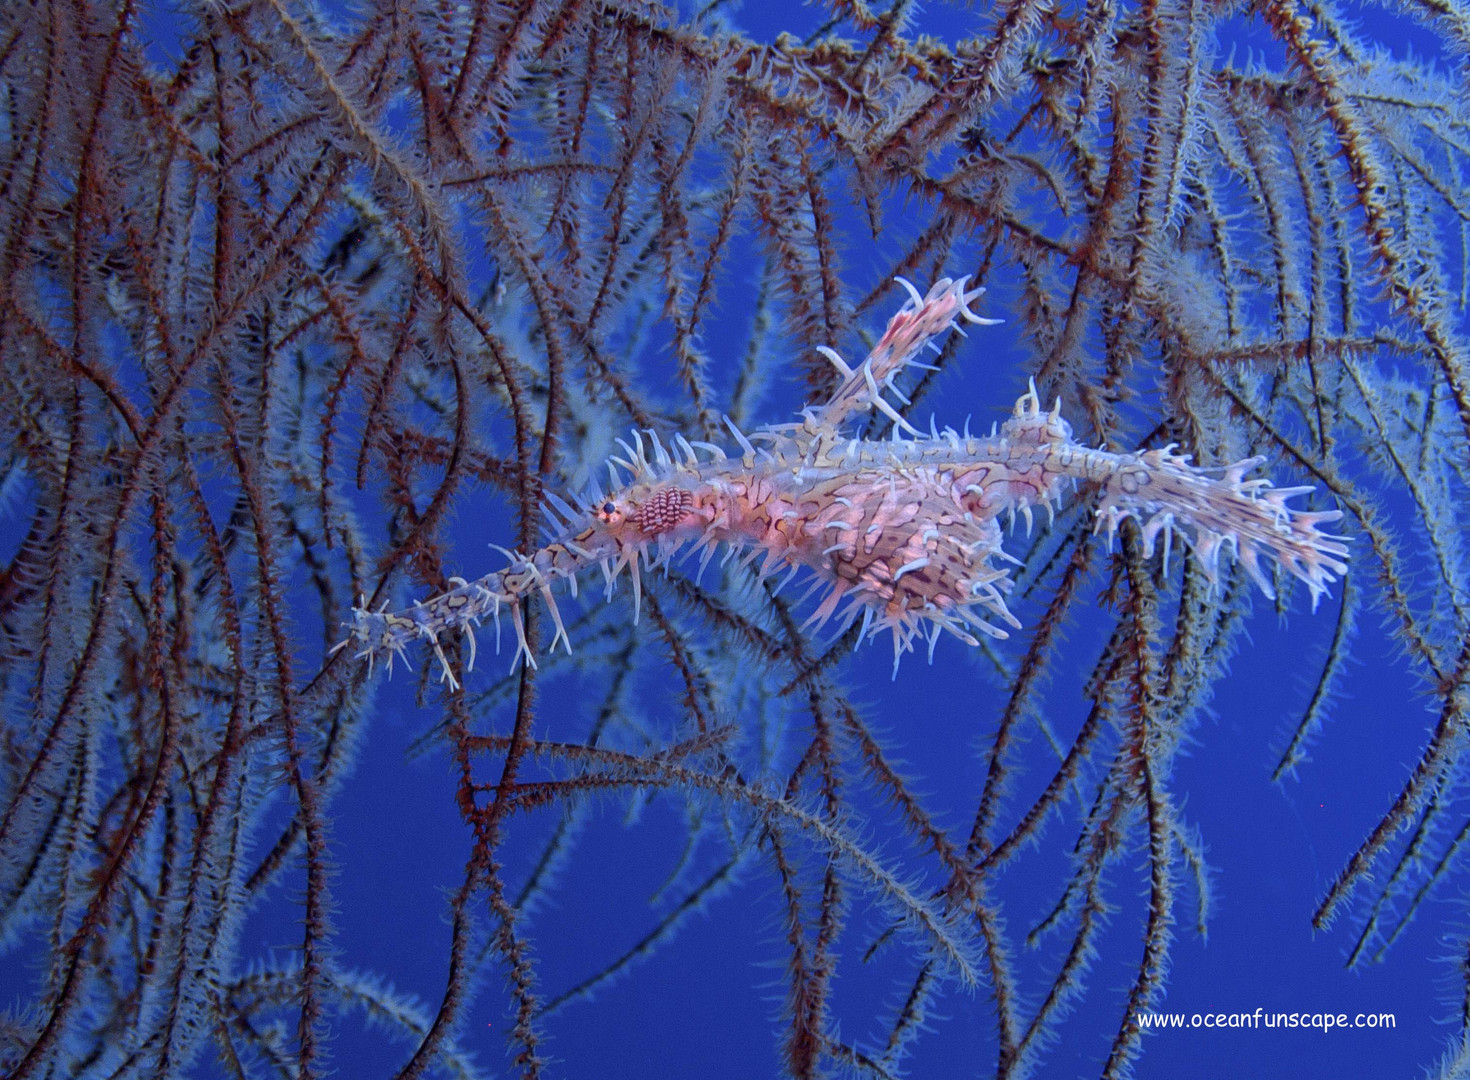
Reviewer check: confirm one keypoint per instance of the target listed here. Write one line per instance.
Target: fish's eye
(609, 507)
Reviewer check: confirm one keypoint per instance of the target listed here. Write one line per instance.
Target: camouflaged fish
(903, 533)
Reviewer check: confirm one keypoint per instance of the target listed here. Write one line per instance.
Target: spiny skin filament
(903, 532)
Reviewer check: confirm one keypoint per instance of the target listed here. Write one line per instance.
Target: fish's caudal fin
(1165, 494)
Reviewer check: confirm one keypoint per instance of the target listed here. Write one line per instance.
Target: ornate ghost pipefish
(903, 532)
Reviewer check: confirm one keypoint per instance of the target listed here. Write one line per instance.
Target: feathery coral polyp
(903, 532)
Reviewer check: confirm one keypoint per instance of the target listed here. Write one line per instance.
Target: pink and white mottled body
(903, 532)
